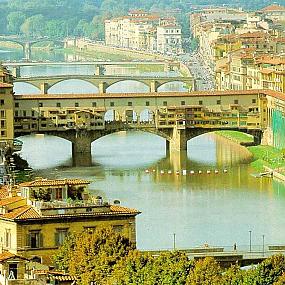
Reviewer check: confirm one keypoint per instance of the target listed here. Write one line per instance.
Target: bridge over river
(175, 116)
(102, 82)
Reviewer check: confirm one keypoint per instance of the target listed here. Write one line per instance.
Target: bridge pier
(16, 71)
(178, 141)
(99, 70)
(44, 88)
(154, 86)
(81, 149)
(103, 87)
(27, 51)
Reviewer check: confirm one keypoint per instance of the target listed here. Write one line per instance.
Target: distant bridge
(99, 69)
(177, 117)
(26, 43)
(102, 82)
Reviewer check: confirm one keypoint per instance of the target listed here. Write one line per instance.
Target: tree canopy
(108, 258)
(61, 18)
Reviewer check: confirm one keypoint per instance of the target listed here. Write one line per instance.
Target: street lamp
(174, 241)
(263, 236)
(250, 240)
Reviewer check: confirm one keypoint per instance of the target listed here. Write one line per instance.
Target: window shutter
(28, 240)
(41, 240)
(56, 239)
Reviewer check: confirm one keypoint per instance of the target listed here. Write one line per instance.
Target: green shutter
(56, 239)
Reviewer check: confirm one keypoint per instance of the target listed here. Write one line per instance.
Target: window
(94, 104)
(35, 239)
(16, 105)
(218, 102)
(41, 104)
(24, 113)
(112, 104)
(58, 194)
(7, 238)
(3, 124)
(200, 102)
(182, 102)
(33, 113)
(58, 105)
(16, 113)
(164, 103)
(60, 236)
(2, 113)
(130, 103)
(147, 103)
(235, 101)
(3, 133)
(2, 102)
(253, 101)
(76, 104)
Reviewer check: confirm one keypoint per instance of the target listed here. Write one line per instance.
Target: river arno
(218, 209)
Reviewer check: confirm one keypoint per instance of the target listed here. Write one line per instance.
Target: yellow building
(35, 228)
(6, 106)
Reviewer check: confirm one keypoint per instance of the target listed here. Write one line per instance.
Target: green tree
(14, 21)
(270, 270)
(169, 268)
(205, 272)
(34, 26)
(92, 256)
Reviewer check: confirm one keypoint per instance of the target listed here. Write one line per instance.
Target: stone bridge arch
(111, 83)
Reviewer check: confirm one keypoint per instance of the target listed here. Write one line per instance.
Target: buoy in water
(208, 171)
(146, 171)
(200, 171)
(169, 171)
(177, 172)
(225, 170)
(161, 171)
(153, 170)
(216, 171)
(184, 172)
(192, 172)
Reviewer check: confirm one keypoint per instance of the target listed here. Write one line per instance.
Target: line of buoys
(184, 171)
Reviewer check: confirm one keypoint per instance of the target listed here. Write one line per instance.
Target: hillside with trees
(61, 18)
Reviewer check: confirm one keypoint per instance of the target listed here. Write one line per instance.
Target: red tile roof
(137, 95)
(273, 7)
(22, 213)
(4, 192)
(10, 200)
(30, 213)
(55, 182)
(8, 255)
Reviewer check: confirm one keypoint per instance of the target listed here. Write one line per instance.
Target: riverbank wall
(84, 46)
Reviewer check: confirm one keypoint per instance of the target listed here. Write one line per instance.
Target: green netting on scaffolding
(278, 128)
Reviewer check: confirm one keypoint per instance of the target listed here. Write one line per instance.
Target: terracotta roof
(273, 7)
(136, 95)
(4, 192)
(275, 94)
(271, 60)
(29, 213)
(10, 200)
(5, 85)
(22, 213)
(253, 35)
(120, 209)
(55, 182)
(8, 255)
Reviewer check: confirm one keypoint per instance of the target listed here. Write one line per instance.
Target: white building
(169, 39)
